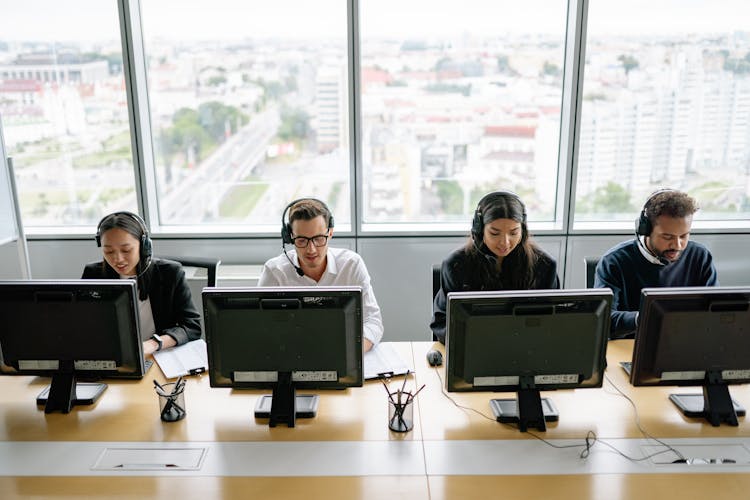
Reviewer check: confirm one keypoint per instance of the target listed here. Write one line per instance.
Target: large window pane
(249, 108)
(64, 110)
(666, 103)
(458, 99)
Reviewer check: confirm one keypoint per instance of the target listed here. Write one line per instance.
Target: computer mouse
(434, 357)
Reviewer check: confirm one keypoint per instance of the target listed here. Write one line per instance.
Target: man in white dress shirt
(313, 262)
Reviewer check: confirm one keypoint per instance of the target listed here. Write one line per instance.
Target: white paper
(183, 359)
(383, 358)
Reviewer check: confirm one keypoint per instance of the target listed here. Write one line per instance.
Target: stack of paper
(185, 359)
(383, 359)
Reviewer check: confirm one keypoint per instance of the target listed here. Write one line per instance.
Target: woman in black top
(167, 314)
(499, 256)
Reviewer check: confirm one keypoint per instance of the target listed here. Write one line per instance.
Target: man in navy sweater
(661, 255)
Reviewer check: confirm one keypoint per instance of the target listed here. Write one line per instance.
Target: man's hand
(366, 345)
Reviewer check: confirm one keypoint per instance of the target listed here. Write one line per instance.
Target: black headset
(477, 224)
(643, 225)
(146, 247)
(286, 227)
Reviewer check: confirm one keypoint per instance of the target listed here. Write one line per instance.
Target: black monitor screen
(68, 329)
(258, 336)
(694, 336)
(526, 341)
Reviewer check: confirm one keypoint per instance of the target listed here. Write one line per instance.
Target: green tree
(629, 63)
(214, 116)
(451, 196)
(271, 90)
(215, 81)
(503, 64)
(184, 133)
(608, 199)
(295, 124)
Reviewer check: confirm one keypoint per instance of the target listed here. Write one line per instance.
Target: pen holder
(400, 413)
(172, 402)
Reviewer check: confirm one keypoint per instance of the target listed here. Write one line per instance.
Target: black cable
(588, 441)
(638, 419)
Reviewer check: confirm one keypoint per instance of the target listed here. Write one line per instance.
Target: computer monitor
(526, 341)
(696, 336)
(284, 339)
(70, 330)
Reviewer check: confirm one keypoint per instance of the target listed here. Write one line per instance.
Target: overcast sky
(234, 19)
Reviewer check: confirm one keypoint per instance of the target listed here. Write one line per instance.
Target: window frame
(142, 147)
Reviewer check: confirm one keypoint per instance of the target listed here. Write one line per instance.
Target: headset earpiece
(477, 226)
(643, 225)
(286, 227)
(147, 247)
(286, 234)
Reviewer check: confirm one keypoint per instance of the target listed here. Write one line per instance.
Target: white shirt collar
(331, 266)
(644, 251)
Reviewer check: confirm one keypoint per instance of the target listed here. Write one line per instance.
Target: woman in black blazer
(167, 315)
(500, 255)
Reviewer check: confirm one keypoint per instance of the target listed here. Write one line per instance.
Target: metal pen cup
(400, 412)
(172, 402)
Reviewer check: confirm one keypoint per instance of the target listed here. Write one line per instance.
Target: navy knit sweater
(626, 271)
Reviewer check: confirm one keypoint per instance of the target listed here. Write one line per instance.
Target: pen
(178, 386)
(403, 386)
(159, 388)
(412, 396)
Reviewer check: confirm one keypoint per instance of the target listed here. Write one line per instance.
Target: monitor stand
(529, 410)
(64, 393)
(285, 406)
(715, 404)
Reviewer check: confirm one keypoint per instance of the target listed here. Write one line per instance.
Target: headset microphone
(297, 268)
(642, 243)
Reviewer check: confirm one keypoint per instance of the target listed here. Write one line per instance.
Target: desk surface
(354, 454)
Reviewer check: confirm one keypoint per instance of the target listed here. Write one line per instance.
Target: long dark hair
(128, 223)
(516, 270)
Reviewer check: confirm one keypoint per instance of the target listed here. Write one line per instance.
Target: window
(666, 103)
(249, 109)
(64, 110)
(459, 99)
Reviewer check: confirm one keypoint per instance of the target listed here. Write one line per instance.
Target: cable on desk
(588, 441)
(638, 421)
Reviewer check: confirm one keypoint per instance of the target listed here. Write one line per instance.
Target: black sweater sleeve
(172, 303)
(169, 293)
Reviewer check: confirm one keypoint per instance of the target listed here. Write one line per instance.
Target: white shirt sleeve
(373, 322)
(345, 268)
(266, 277)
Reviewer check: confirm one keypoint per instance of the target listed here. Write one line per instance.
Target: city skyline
(439, 123)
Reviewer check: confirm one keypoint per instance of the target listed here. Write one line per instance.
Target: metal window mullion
(576, 54)
(575, 49)
(136, 89)
(355, 127)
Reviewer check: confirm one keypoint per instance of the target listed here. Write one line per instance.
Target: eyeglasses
(318, 240)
